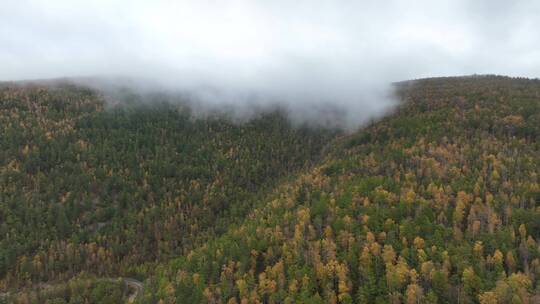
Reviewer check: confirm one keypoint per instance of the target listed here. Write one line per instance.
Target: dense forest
(437, 202)
(112, 190)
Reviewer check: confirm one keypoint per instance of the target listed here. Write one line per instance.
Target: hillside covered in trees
(438, 202)
(111, 190)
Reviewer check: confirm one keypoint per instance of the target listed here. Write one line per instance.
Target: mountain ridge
(327, 261)
(437, 202)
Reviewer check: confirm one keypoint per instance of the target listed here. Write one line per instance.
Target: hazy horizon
(303, 54)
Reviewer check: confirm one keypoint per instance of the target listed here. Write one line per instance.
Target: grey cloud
(299, 53)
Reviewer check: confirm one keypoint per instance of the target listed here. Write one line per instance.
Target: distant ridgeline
(438, 202)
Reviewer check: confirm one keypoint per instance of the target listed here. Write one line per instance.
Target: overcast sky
(303, 49)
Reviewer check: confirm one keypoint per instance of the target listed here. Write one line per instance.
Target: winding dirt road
(137, 286)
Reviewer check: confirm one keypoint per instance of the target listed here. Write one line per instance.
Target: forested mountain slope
(112, 190)
(437, 203)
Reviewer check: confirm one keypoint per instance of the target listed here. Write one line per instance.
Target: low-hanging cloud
(298, 53)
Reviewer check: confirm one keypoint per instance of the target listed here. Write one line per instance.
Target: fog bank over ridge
(300, 55)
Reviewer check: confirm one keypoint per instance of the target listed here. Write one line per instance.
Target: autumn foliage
(438, 202)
